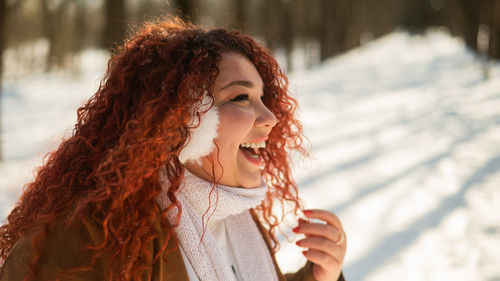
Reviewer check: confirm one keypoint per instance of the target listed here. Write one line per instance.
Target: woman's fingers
(325, 243)
(320, 229)
(328, 217)
(322, 259)
(321, 244)
(326, 267)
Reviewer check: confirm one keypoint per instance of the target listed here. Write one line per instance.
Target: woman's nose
(265, 117)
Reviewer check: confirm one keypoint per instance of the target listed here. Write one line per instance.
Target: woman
(172, 171)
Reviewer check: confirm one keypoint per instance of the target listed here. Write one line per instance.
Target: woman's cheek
(234, 116)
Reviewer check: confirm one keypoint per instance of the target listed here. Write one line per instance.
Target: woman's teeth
(254, 144)
(251, 149)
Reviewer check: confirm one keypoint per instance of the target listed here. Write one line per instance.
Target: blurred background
(320, 28)
(400, 101)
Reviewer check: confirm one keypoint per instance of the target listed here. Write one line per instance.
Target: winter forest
(400, 101)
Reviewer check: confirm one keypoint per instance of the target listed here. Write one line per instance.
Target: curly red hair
(133, 128)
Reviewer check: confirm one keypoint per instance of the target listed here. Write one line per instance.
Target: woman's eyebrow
(244, 83)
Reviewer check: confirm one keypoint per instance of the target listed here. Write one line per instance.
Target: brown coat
(65, 248)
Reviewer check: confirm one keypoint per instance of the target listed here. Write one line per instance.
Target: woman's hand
(326, 244)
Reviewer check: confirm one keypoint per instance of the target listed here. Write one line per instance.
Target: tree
(241, 14)
(114, 23)
(3, 16)
(53, 19)
(187, 9)
(287, 33)
(5, 10)
(272, 23)
(334, 34)
(495, 30)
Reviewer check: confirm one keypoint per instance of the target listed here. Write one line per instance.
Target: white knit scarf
(232, 204)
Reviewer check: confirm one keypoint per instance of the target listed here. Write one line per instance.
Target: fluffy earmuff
(202, 135)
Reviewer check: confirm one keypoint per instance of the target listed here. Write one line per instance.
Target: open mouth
(251, 151)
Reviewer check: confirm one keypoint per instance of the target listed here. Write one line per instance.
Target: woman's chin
(251, 181)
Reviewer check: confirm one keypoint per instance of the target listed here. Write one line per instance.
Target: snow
(405, 142)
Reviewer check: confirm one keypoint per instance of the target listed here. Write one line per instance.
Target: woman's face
(244, 124)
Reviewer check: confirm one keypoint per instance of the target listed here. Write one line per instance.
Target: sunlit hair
(132, 129)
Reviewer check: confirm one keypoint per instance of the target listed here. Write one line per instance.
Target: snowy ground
(405, 137)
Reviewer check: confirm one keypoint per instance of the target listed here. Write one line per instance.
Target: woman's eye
(241, 97)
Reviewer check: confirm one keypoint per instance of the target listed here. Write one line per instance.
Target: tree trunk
(337, 18)
(80, 42)
(327, 39)
(272, 22)
(495, 30)
(3, 17)
(187, 9)
(287, 33)
(114, 26)
(53, 23)
(241, 15)
(471, 12)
